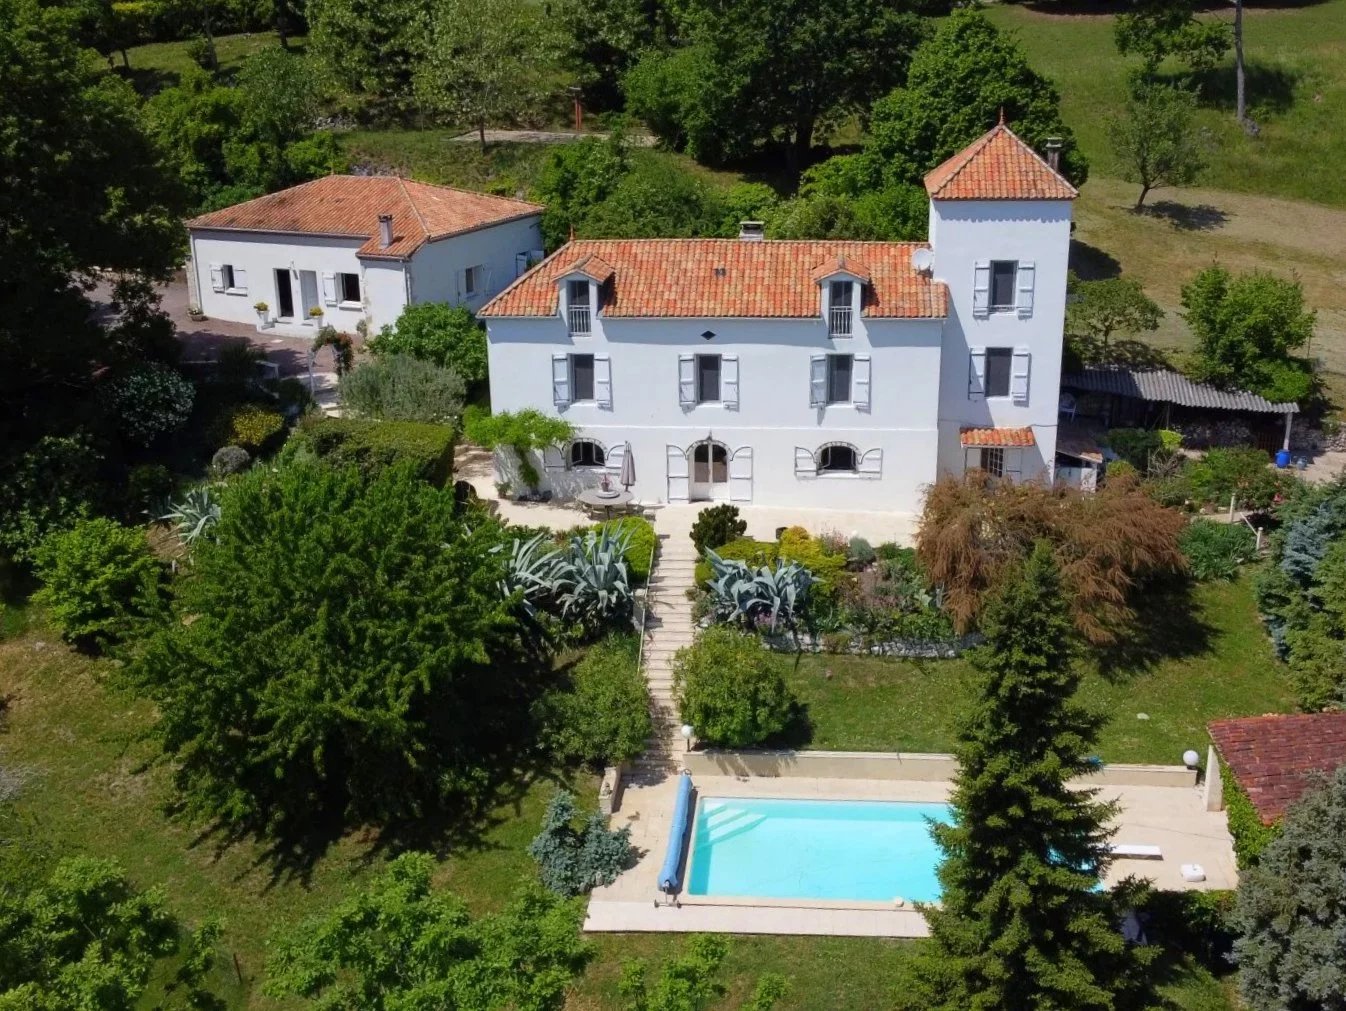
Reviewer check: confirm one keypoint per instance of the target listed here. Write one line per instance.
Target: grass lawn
(157, 65)
(1218, 664)
(1296, 59)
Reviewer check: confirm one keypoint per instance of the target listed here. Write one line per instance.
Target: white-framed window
(840, 368)
(838, 458)
(474, 280)
(227, 270)
(708, 370)
(999, 362)
(229, 279)
(1003, 274)
(581, 378)
(993, 461)
(348, 288)
(579, 314)
(839, 309)
(586, 453)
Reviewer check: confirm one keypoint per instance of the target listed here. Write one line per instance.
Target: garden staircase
(668, 628)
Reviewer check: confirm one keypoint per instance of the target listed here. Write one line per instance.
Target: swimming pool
(815, 849)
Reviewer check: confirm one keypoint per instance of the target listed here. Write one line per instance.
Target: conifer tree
(1020, 923)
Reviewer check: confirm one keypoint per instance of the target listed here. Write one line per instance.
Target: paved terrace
(1171, 817)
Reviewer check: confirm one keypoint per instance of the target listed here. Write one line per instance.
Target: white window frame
(574, 387)
(1013, 304)
(344, 302)
(598, 449)
(1007, 352)
(232, 280)
(719, 369)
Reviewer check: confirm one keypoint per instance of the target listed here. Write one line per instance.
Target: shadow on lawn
(1168, 626)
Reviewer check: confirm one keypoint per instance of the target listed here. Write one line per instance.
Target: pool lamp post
(1190, 759)
(687, 732)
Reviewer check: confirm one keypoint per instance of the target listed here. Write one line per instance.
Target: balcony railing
(579, 320)
(839, 321)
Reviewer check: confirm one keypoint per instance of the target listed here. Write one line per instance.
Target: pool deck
(1173, 818)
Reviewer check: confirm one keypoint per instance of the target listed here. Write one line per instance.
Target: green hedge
(602, 716)
(374, 445)
(1250, 836)
(643, 540)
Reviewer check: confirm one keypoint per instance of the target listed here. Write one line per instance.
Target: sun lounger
(1128, 851)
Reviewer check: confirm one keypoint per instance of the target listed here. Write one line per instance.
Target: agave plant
(764, 594)
(601, 585)
(194, 516)
(541, 571)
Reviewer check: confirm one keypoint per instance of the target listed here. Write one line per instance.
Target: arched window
(838, 458)
(587, 453)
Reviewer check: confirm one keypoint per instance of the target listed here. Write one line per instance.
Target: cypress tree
(1021, 924)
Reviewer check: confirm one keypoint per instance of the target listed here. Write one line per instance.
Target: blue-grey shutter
(1019, 378)
(981, 289)
(860, 382)
(729, 381)
(603, 381)
(687, 380)
(1024, 280)
(560, 380)
(976, 374)
(818, 381)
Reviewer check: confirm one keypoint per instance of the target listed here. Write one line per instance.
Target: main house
(347, 249)
(826, 374)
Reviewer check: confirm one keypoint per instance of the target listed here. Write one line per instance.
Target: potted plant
(262, 309)
(315, 313)
(195, 313)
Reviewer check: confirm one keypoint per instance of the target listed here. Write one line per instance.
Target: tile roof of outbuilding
(349, 206)
(990, 438)
(727, 278)
(998, 166)
(1165, 386)
(1272, 757)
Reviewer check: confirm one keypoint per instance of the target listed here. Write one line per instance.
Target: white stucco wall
(964, 233)
(773, 417)
(437, 268)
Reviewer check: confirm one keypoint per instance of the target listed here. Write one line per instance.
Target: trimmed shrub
(716, 527)
(437, 332)
(229, 460)
(641, 544)
(149, 402)
(603, 717)
(375, 445)
(402, 388)
(797, 545)
(99, 580)
(730, 690)
(45, 489)
(859, 552)
(1216, 550)
(255, 428)
(572, 862)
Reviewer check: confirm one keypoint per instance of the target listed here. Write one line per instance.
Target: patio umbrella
(628, 468)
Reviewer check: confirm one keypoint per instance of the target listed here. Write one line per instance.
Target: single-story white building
(347, 249)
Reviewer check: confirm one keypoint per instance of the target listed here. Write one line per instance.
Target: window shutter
(329, 289)
(860, 382)
(520, 264)
(1025, 282)
(740, 475)
(871, 463)
(976, 374)
(560, 380)
(687, 380)
(677, 474)
(612, 461)
(1013, 464)
(818, 381)
(981, 290)
(240, 280)
(553, 458)
(603, 381)
(805, 465)
(217, 277)
(1019, 370)
(729, 381)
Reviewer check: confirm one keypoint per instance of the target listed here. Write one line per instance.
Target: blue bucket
(1282, 458)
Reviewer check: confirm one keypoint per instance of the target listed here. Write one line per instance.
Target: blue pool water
(815, 849)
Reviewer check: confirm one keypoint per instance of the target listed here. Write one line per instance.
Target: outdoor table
(596, 498)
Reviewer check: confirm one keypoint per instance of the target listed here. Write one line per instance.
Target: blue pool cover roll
(670, 877)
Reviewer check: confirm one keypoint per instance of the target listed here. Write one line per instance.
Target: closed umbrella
(628, 468)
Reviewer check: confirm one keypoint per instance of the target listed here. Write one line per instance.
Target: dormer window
(578, 310)
(840, 307)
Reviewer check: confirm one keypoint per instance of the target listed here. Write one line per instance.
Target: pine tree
(1020, 923)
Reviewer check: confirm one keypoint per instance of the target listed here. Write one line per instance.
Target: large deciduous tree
(755, 75)
(605, 38)
(961, 80)
(369, 49)
(342, 649)
(484, 61)
(1290, 914)
(400, 944)
(1155, 30)
(1246, 328)
(1156, 139)
(1020, 923)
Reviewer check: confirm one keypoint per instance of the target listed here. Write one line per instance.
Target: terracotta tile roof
(999, 166)
(840, 265)
(1272, 756)
(350, 206)
(729, 278)
(591, 266)
(988, 438)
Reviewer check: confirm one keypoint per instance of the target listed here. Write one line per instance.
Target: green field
(1212, 661)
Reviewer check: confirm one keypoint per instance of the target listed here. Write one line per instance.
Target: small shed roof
(1272, 757)
(1165, 386)
(995, 438)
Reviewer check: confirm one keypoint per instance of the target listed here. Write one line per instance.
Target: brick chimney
(1054, 153)
(385, 231)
